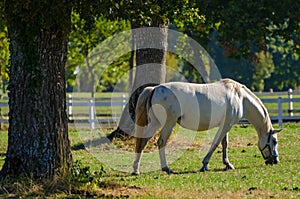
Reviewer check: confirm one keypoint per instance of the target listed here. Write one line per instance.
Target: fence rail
(107, 111)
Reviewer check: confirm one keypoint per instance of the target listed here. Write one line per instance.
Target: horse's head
(267, 144)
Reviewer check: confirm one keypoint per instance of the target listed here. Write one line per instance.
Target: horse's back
(196, 106)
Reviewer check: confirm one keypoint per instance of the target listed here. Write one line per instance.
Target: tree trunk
(150, 62)
(150, 70)
(38, 143)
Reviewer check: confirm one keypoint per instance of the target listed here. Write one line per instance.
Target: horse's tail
(126, 124)
(143, 106)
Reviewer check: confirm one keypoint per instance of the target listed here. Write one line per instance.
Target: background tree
(4, 55)
(151, 14)
(286, 63)
(82, 41)
(150, 62)
(262, 70)
(243, 34)
(241, 29)
(4, 59)
(4, 51)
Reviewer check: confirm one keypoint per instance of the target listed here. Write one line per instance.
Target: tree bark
(38, 143)
(150, 71)
(150, 62)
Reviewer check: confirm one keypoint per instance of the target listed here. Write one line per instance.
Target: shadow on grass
(184, 172)
(92, 143)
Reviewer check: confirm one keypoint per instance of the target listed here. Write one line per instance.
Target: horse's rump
(143, 106)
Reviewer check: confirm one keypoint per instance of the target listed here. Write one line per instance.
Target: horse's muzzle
(272, 160)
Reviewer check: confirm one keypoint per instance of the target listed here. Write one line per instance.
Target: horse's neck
(256, 113)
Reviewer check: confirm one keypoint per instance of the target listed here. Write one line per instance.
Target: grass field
(251, 178)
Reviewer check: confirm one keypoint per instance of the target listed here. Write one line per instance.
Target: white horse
(200, 107)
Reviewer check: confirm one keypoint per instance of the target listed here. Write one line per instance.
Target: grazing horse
(201, 107)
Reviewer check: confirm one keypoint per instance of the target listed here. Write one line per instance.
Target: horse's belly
(199, 124)
(203, 120)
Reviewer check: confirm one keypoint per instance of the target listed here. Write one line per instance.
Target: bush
(82, 175)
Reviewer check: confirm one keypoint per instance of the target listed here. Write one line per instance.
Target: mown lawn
(251, 178)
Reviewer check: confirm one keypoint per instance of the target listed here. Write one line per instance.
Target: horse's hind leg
(225, 155)
(142, 138)
(139, 147)
(162, 142)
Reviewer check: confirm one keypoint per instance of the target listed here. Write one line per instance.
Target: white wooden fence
(89, 114)
(288, 114)
(83, 110)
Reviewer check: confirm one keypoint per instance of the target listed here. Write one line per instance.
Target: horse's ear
(275, 131)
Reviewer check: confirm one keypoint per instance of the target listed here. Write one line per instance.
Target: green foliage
(245, 28)
(82, 175)
(264, 67)
(89, 11)
(2, 17)
(152, 13)
(82, 42)
(241, 69)
(243, 24)
(37, 18)
(286, 60)
(4, 58)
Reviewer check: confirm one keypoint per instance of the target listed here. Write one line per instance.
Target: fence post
(123, 101)
(70, 108)
(279, 112)
(92, 113)
(290, 95)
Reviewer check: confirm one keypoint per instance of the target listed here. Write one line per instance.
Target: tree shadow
(77, 147)
(91, 143)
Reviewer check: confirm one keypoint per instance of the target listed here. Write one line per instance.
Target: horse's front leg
(217, 139)
(207, 158)
(225, 153)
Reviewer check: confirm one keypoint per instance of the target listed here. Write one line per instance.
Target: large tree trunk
(38, 143)
(150, 70)
(150, 62)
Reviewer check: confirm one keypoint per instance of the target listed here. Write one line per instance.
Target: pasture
(251, 178)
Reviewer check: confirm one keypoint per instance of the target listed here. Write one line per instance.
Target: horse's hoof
(229, 167)
(167, 170)
(135, 173)
(204, 168)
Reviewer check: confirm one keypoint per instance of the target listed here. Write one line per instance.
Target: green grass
(251, 178)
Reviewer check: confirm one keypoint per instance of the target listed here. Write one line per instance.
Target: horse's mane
(233, 85)
(238, 87)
